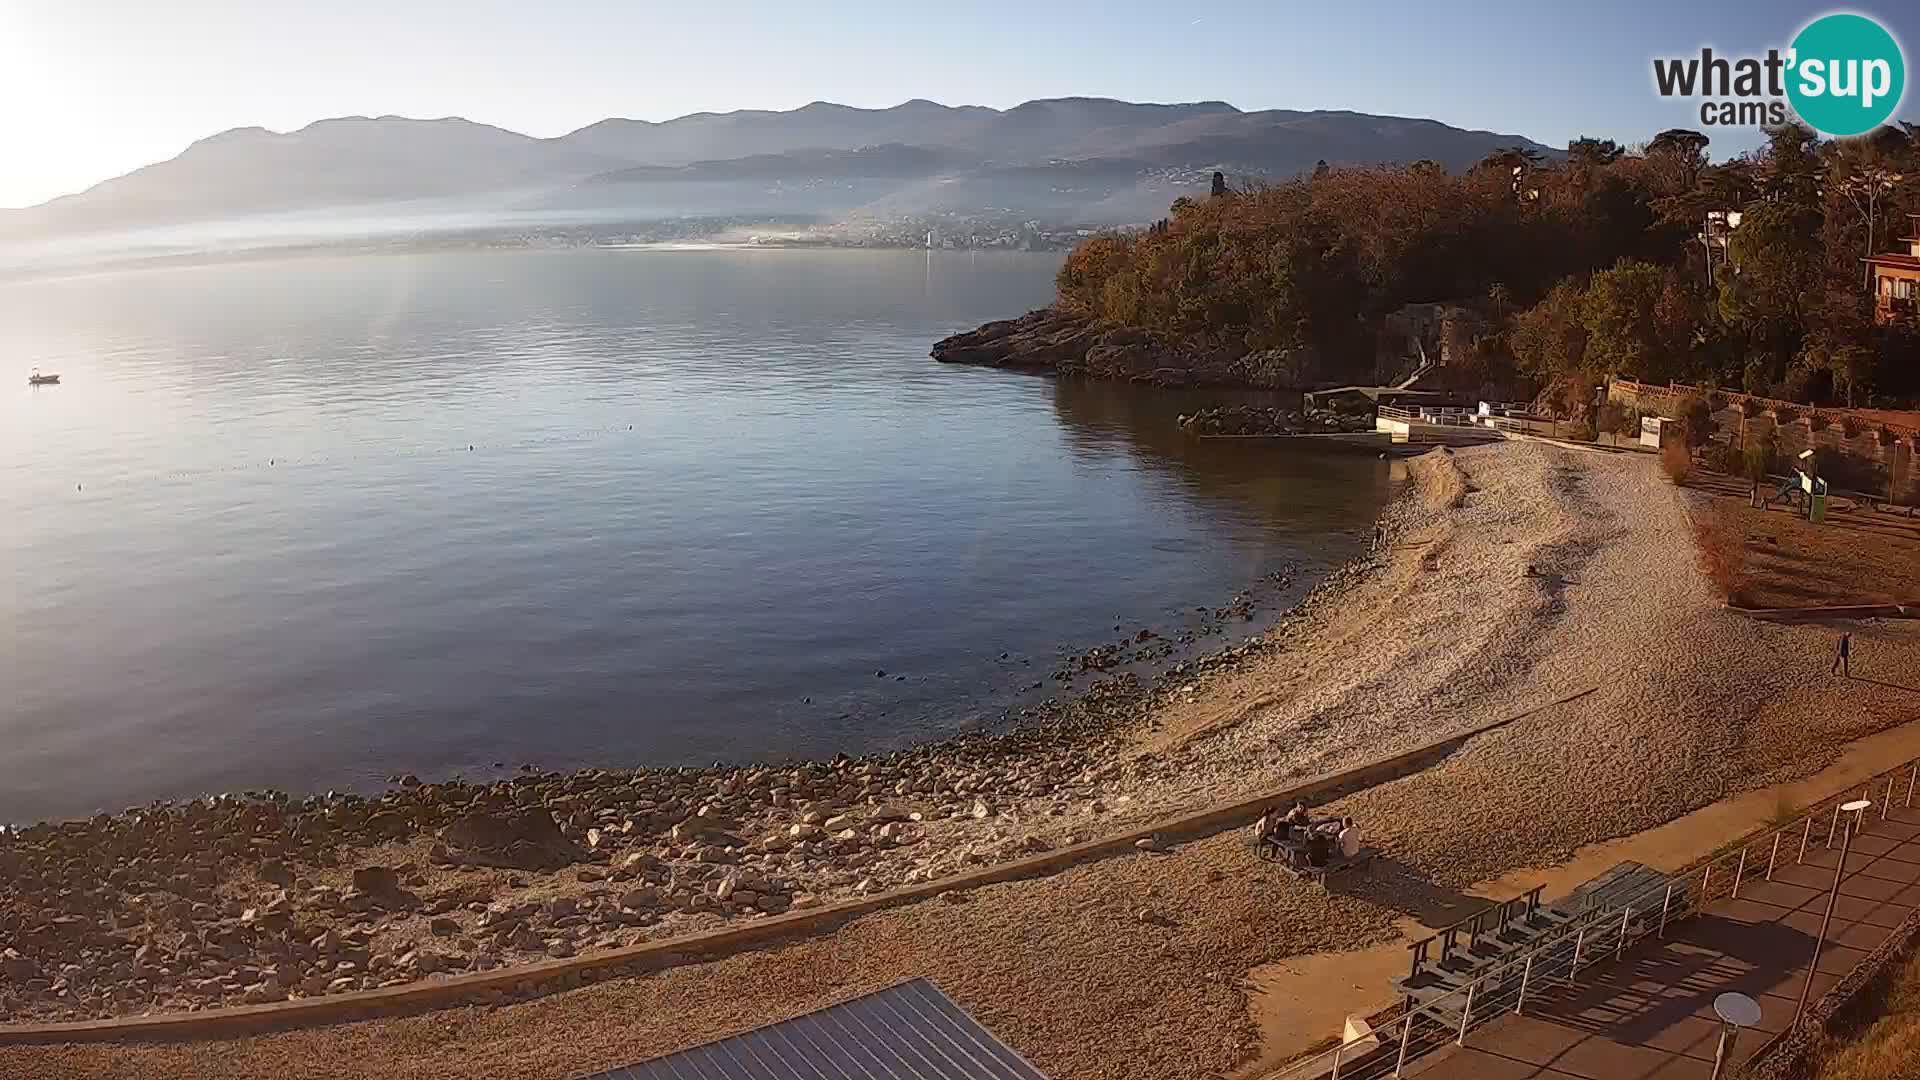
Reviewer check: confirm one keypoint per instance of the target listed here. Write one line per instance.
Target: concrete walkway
(1649, 1015)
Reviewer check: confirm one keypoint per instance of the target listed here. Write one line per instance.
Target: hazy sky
(93, 88)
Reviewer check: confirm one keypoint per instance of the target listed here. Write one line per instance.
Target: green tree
(1590, 153)
(1676, 157)
(1791, 168)
(1550, 339)
(1633, 326)
(1776, 264)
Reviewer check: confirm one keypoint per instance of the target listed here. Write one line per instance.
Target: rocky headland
(1054, 340)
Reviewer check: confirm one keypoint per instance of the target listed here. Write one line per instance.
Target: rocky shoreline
(1053, 340)
(262, 896)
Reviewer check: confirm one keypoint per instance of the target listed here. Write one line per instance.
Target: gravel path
(1131, 967)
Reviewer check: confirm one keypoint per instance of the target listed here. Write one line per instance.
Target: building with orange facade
(1896, 279)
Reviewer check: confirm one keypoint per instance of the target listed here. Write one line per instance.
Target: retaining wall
(1898, 462)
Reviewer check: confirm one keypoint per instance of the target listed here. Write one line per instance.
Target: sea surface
(310, 523)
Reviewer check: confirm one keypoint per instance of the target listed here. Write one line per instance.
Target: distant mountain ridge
(364, 160)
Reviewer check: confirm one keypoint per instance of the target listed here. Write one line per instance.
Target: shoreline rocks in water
(1069, 344)
(1257, 420)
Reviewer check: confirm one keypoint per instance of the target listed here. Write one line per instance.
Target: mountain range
(1096, 146)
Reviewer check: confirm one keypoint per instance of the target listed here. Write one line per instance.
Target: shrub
(1723, 556)
(1677, 461)
(1886, 436)
(1617, 420)
(1785, 414)
(1851, 426)
(1750, 408)
(1697, 414)
(1724, 457)
(1818, 420)
(1759, 460)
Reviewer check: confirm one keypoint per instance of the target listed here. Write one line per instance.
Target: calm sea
(308, 523)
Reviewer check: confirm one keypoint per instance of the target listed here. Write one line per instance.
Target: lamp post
(1854, 810)
(1736, 1011)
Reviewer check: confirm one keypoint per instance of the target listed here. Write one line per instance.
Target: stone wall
(1895, 464)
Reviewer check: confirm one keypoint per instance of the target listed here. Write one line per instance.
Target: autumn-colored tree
(1573, 270)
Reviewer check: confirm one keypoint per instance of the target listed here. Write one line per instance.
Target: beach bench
(1291, 856)
(1471, 948)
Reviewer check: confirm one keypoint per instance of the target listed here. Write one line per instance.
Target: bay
(307, 523)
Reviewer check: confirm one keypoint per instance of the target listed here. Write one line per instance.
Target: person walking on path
(1840, 658)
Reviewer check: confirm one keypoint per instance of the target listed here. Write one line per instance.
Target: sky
(90, 89)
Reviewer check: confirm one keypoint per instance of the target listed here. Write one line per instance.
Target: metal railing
(1558, 957)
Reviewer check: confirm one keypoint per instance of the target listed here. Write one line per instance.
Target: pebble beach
(1551, 584)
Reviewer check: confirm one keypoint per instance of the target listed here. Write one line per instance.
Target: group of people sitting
(1297, 831)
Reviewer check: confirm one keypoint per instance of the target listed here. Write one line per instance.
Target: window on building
(1903, 289)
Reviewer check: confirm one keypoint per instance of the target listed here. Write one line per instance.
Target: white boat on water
(37, 379)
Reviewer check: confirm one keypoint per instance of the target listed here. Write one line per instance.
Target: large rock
(519, 839)
(377, 879)
(1039, 339)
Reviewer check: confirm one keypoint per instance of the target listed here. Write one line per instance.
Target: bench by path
(1649, 1014)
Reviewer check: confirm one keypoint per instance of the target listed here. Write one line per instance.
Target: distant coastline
(271, 240)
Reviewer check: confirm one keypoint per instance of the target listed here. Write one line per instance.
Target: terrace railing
(1598, 936)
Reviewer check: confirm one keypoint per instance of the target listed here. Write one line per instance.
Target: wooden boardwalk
(1649, 1015)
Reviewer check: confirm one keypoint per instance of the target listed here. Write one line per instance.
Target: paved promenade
(1649, 1015)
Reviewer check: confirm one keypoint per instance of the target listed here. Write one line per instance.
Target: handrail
(1593, 936)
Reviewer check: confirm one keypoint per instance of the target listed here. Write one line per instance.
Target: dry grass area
(1856, 556)
(1889, 1049)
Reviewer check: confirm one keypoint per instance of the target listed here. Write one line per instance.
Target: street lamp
(1855, 811)
(1736, 1011)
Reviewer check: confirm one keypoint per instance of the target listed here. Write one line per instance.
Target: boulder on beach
(519, 839)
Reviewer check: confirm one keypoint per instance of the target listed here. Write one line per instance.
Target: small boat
(37, 379)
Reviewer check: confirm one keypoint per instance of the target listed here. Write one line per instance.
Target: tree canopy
(1613, 261)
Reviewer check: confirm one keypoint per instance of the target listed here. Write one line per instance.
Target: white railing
(1597, 936)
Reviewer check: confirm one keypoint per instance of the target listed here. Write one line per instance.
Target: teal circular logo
(1847, 74)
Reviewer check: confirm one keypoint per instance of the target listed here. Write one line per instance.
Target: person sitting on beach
(1349, 839)
(1264, 826)
(1298, 816)
(1319, 846)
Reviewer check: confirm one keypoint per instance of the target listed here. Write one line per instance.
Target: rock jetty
(1256, 420)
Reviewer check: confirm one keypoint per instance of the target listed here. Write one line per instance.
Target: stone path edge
(1844, 611)
(544, 977)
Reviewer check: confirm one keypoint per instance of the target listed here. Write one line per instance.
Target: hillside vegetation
(1569, 272)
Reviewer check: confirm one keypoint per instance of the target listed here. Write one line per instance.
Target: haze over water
(308, 523)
